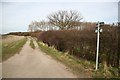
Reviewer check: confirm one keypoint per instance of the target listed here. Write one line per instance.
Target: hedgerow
(82, 43)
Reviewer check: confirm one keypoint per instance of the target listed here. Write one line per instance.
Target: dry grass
(12, 45)
(11, 38)
(79, 66)
(32, 44)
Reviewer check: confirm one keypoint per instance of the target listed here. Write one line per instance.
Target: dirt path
(0, 70)
(33, 63)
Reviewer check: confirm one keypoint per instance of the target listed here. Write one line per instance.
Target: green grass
(78, 66)
(9, 49)
(32, 44)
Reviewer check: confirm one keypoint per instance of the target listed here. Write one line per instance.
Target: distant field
(11, 45)
(11, 38)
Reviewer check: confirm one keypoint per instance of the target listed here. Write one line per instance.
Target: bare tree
(31, 27)
(42, 25)
(65, 19)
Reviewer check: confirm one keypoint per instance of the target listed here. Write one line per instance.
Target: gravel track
(33, 63)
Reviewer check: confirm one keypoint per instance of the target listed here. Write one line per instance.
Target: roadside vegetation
(76, 40)
(9, 49)
(69, 60)
(79, 66)
(32, 44)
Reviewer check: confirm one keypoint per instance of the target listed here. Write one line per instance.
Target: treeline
(82, 43)
(60, 20)
(45, 26)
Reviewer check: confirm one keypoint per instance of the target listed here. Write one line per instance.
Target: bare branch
(65, 19)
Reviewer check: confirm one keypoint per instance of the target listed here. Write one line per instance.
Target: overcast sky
(18, 14)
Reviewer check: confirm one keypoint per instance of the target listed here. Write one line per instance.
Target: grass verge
(70, 61)
(9, 49)
(80, 67)
(32, 44)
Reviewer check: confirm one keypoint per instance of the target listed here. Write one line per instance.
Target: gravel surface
(33, 63)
